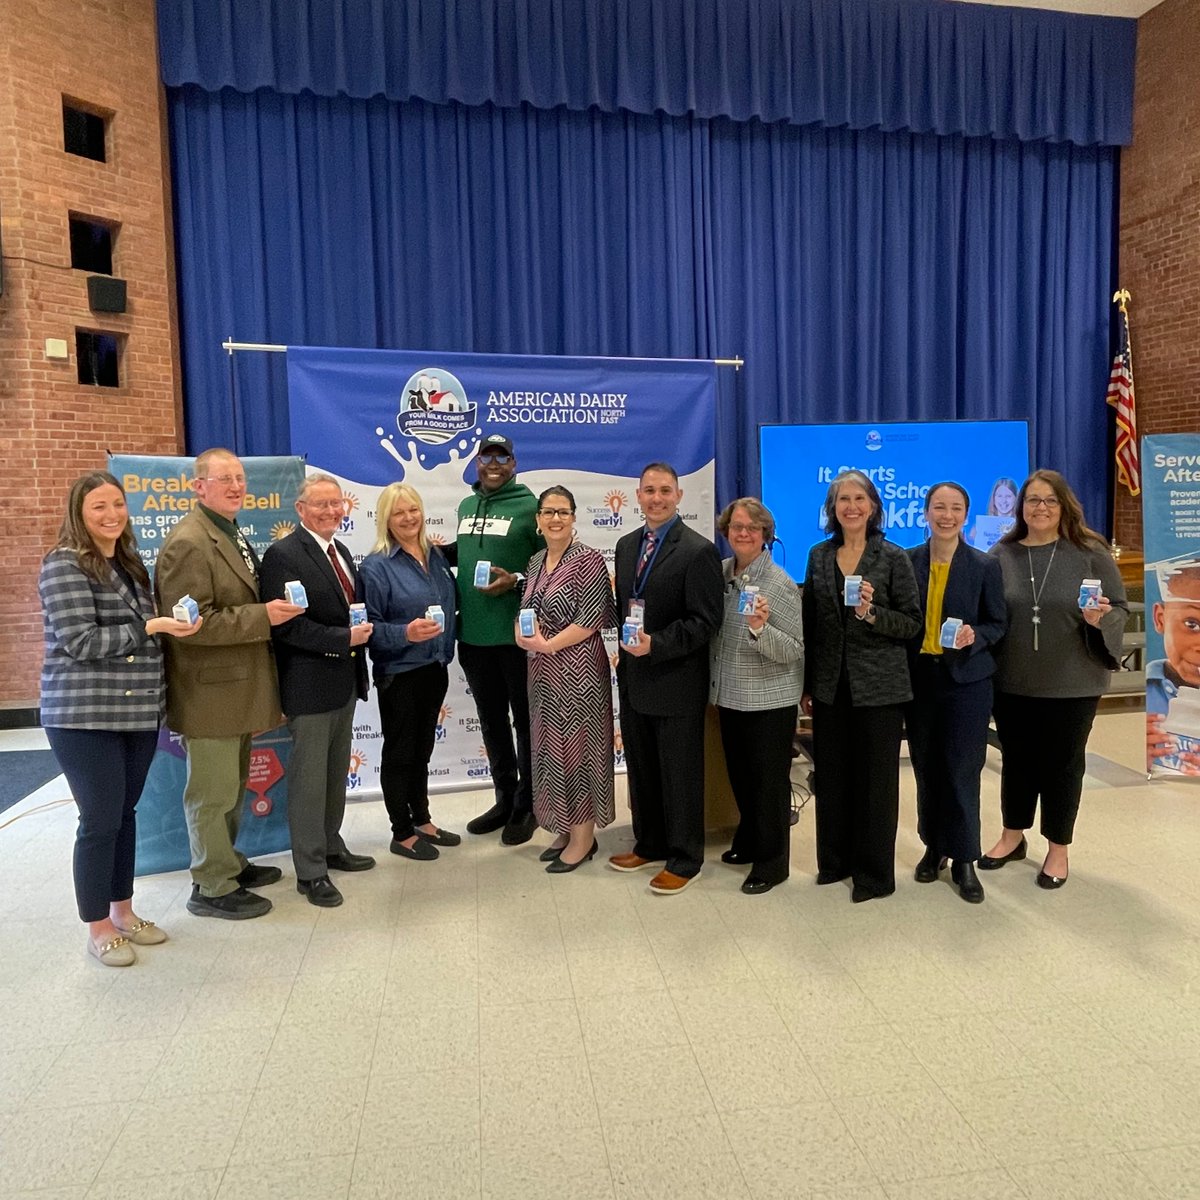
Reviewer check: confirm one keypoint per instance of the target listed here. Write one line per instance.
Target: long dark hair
(874, 521)
(1071, 525)
(73, 535)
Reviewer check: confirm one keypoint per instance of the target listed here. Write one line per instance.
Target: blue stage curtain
(862, 275)
(916, 65)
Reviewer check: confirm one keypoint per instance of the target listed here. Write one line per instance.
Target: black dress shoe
(320, 891)
(253, 875)
(420, 850)
(1050, 882)
(443, 837)
(734, 859)
(349, 862)
(495, 818)
(826, 877)
(987, 863)
(929, 866)
(969, 887)
(560, 866)
(518, 829)
(239, 905)
(861, 892)
(550, 853)
(753, 886)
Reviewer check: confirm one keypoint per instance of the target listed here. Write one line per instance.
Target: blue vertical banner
(1171, 533)
(374, 417)
(159, 493)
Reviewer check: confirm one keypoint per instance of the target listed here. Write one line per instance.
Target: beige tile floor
(477, 1028)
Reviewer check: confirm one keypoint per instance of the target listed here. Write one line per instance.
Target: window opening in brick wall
(91, 245)
(83, 131)
(98, 356)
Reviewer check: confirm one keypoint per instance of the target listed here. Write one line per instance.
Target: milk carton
(358, 614)
(526, 622)
(1089, 593)
(483, 573)
(434, 613)
(294, 593)
(852, 592)
(746, 598)
(186, 610)
(950, 628)
(630, 631)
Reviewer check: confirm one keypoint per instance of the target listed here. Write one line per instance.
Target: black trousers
(758, 755)
(497, 679)
(664, 761)
(106, 772)
(408, 712)
(1044, 743)
(856, 752)
(947, 725)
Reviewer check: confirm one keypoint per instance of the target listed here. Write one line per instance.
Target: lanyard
(639, 579)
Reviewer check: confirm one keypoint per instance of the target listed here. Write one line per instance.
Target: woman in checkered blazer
(102, 701)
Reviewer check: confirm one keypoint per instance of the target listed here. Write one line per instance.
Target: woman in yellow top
(951, 665)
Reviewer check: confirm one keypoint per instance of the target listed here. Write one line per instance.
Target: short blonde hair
(392, 495)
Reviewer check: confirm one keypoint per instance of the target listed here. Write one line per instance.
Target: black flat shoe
(929, 866)
(322, 891)
(969, 887)
(349, 862)
(255, 875)
(1050, 882)
(495, 818)
(420, 850)
(443, 837)
(734, 859)
(560, 866)
(550, 853)
(987, 863)
(518, 829)
(827, 877)
(754, 886)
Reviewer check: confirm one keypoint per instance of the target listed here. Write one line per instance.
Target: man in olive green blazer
(224, 689)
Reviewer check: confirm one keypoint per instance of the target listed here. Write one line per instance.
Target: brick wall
(1160, 232)
(101, 52)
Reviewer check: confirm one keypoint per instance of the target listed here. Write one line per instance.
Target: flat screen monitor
(989, 458)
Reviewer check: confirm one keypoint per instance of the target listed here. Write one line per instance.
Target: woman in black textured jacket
(856, 685)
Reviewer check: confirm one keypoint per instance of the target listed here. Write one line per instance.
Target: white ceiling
(1099, 8)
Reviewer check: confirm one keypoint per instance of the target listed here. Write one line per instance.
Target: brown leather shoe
(667, 884)
(629, 862)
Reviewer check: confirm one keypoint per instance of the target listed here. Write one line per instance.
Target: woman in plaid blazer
(102, 701)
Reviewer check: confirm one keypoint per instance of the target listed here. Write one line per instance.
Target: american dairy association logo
(874, 439)
(608, 514)
(358, 760)
(351, 502)
(434, 407)
(477, 766)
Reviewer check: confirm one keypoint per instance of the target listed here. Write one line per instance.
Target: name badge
(637, 612)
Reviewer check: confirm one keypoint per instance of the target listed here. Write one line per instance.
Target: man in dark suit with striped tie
(222, 689)
(322, 666)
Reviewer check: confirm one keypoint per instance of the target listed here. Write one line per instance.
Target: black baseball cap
(496, 441)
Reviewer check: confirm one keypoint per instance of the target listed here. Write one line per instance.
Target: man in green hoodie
(497, 525)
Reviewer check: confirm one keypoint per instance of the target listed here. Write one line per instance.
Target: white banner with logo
(374, 417)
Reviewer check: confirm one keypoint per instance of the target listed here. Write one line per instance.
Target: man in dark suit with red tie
(670, 577)
(322, 666)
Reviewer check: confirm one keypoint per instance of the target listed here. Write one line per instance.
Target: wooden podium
(720, 808)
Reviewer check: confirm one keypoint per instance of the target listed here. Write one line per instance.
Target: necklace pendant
(1036, 619)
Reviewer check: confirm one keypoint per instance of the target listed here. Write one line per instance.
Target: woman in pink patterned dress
(570, 693)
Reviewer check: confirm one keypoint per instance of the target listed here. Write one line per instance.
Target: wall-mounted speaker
(106, 294)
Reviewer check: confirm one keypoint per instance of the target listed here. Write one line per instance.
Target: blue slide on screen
(989, 458)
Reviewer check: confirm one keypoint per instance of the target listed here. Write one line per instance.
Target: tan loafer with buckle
(116, 952)
(142, 933)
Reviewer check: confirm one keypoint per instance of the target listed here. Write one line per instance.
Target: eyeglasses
(501, 459)
(1048, 502)
(561, 513)
(323, 503)
(225, 480)
(745, 529)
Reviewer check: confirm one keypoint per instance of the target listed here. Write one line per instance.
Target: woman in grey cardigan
(755, 682)
(1052, 668)
(102, 700)
(856, 685)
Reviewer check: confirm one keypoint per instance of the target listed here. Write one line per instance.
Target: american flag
(1120, 396)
